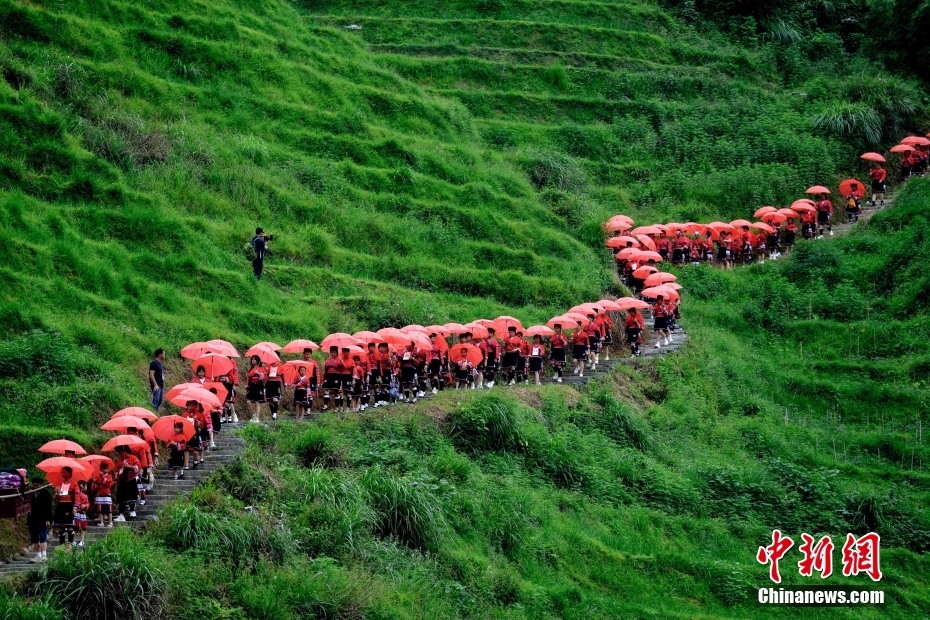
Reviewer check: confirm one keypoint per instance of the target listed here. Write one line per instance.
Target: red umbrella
(660, 278)
(672, 291)
(564, 321)
(413, 328)
(673, 226)
(505, 322)
(625, 253)
(60, 446)
(872, 157)
(696, 229)
(916, 140)
(455, 328)
(367, 336)
(289, 370)
(902, 148)
(478, 330)
(265, 354)
(577, 317)
(674, 285)
(298, 346)
(539, 330)
(647, 230)
(775, 217)
(616, 226)
(609, 305)
(472, 353)
(596, 308)
(644, 272)
(339, 340)
(654, 292)
(763, 210)
(847, 186)
(738, 223)
(721, 226)
(628, 303)
(124, 440)
(221, 390)
(53, 466)
(763, 227)
(802, 206)
(164, 428)
(216, 365)
(622, 241)
(817, 189)
(270, 345)
(208, 399)
(122, 423)
(806, 200)
(224, 348)
(196, 349)
(621, 218)
(788, 213)
(402, 339)
(647, 242)
(138, 412)
(648, 255)
(439, 330)
(93, 462)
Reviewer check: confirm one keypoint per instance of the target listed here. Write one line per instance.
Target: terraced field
(610, 103)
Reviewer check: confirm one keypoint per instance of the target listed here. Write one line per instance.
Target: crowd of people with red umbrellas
(639, 249)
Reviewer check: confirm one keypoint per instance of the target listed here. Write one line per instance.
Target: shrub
(13, 607)
(243, 481)
(116, 578)
(487, 422)
(404, 508)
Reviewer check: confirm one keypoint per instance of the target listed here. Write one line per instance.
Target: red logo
(773, 553)
(817, 557)
(861, 556)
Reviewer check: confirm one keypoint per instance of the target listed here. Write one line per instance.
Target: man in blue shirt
(157, 378)
(260, 243)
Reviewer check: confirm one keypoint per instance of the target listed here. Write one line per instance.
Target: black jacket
(41, 507)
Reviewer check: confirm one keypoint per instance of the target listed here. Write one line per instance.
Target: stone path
(228, 447)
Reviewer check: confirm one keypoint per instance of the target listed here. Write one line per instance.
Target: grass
(448, 164)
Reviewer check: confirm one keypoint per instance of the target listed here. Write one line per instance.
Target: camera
(270, 237)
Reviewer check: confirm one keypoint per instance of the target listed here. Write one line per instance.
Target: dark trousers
(257, 266)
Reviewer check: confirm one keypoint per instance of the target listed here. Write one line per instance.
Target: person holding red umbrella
(65, 496)
(491, 351)
(879, 177)
(333, 369)
(557, 357)
(230, 380)
(808, 224)
(512, 347)
(579, 349)
(633, 328)
(536, 357)
(177, 444)
(103, 485)
(663, 246)
(303, 391)
(681, 247)
(604, 326)
(594, 340)
(255, 387)
(907, 164)
(274, 383)
(127, 490)
(434, 364)
(824, 215)
(463, 369)
(661, 315)
(854, 203)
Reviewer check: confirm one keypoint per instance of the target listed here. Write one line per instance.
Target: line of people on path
(374, 369)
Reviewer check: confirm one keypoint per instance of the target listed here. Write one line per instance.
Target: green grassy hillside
(449, 161)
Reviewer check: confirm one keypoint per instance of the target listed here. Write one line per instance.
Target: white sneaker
(274, 416)
(37, 559)
(235, 419)
(511, 382)
(132, 514)
(472, 386)
(414, 399)
(658, 344)
(607, 359)
(575, 371)
(119, 519)
(142, 502)
(421, 394)
(212, 445)
(669, 339)
(435, 390)
(559, 379)
(490, 384)
(580, 374)
(80, 544)
(831, 233)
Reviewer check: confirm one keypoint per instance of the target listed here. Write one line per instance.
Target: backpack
(249, 250)
(852, 204)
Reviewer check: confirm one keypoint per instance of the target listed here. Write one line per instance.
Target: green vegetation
(447, 162)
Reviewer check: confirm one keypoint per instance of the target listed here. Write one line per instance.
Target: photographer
(260, 243)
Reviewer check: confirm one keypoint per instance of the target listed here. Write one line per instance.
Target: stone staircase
(166, 489)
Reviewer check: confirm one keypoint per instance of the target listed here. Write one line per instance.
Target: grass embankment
(445, 177)
(644, 495)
